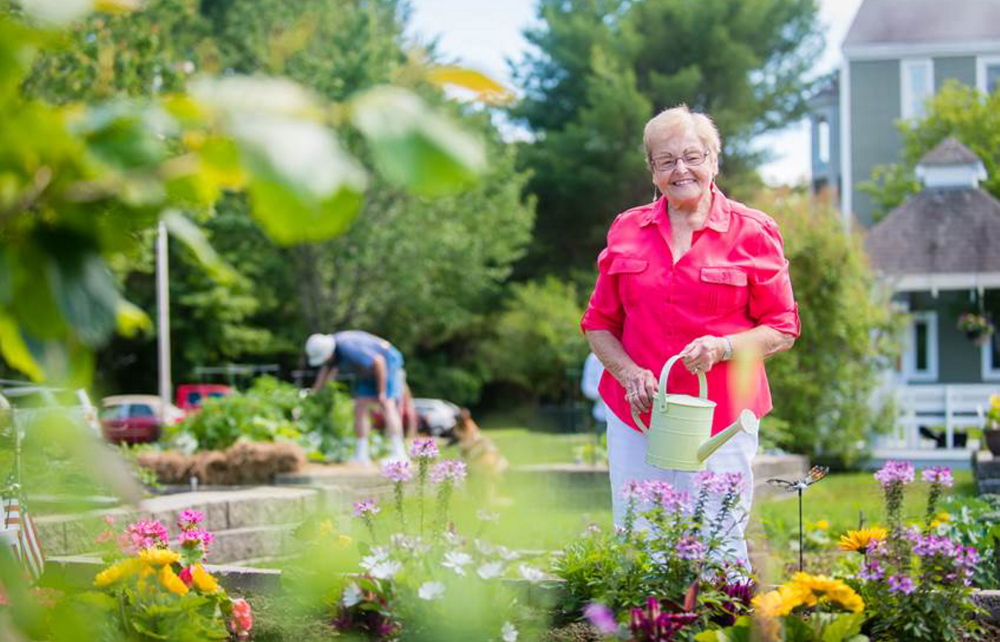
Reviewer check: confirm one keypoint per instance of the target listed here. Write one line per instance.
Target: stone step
(249, 510)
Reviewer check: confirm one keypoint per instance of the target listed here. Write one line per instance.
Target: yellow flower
(820, 588)
(203, 580)
(944, 516)
(995, 401)
(118, 571)
(171, 582)
(861, 540)
(326, 528)
(770, 604)
(822, 525)
(343, 541)
(159, 556)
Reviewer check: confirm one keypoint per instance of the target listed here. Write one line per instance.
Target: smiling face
(681, 183)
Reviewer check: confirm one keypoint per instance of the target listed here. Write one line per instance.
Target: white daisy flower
(456, 561)
(490, 570)
(508, 632)
(385, 570)
(531, 573)
(352, 595)
(430, 590)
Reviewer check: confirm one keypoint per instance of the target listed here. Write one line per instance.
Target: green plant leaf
(302, 186)
(125, 134)
(181, 228)
(413, 145)
(131, 320)
(15, 351)
(843, 627)
(238, 96)
(83, 289)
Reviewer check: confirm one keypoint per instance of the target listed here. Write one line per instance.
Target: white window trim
(905, 90)
(909, 355)
(982, 62)
(988, 373)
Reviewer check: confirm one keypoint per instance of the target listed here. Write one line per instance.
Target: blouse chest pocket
(628, 270)
(722, 290)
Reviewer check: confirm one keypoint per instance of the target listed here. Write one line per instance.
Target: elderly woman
(696, 274)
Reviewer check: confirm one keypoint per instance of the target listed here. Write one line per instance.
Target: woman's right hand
(640, 388)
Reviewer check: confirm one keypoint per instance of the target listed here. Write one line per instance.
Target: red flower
(185, 575)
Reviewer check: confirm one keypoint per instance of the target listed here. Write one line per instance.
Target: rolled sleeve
(604, 312)
(772, 302)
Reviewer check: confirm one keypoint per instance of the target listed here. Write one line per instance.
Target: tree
(957, 110)
(605, 67)
(823, 387)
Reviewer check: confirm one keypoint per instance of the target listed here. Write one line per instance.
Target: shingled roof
(938, 231)
(896, 22)
(950, 151)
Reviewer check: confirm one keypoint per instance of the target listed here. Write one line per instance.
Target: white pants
(627, 461)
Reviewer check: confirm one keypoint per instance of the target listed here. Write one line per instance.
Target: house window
(991, 359)
(988, 74)
(823, 133)
(917, 85)
(920, 358)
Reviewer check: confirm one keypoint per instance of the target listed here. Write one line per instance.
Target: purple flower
(895, 472)
(632, 489)
(663, 494)
(189, 518)
(939, 475)
(601, 617)
(366, 509)
(901, 584)
(871, 570)
(449, 470)
(711, 482)
(196, 537)
(397, 471)
(690, 548)
(424, 449)
(146, 533)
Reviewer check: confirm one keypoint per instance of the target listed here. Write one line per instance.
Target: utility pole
(163, 319)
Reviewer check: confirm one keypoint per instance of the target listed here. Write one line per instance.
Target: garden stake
(816, 473)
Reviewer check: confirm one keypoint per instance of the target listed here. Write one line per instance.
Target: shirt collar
(718, 216)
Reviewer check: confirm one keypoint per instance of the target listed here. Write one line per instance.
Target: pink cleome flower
(940, 475)
(366, 508)
(397, 471)
(424, 449)
(895, 472)
(449, 470)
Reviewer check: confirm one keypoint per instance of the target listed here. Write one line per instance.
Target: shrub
(244, 462)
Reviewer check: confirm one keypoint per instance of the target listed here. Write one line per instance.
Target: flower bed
(400, 569)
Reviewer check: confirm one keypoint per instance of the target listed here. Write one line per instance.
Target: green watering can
(681, 425)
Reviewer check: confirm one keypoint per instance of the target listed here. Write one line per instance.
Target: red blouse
(734, 278)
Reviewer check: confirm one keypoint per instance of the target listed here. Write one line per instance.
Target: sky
(484, 34)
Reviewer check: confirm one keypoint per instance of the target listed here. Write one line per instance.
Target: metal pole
(801, 539)
(163, 319)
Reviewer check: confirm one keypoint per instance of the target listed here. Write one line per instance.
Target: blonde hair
(680, 118)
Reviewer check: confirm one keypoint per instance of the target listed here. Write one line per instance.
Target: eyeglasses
(691, 159)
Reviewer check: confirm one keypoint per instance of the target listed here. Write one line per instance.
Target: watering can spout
(747, 422)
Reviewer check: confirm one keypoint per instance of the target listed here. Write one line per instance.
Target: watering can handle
(661, 392)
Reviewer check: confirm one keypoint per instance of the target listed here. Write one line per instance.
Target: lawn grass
(844, 501)
(522, 446)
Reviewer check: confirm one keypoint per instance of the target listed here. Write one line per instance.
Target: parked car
(135, 419)
(191, 395)
(435, 417)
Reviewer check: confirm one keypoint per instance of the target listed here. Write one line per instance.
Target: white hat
(319, 348)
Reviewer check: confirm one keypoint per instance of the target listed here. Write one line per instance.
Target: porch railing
(937, 416)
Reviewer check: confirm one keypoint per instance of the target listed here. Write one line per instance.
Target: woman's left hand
(703, 353)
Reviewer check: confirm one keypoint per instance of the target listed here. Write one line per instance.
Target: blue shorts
(395, 378)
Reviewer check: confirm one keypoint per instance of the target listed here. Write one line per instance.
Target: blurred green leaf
(131, 320)
(242, 95)
(6, 276)
(83, 289)
(125, 134)
(57, 12)
(182, 229)
(15, 351)
(303, 187)
(413, 145)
